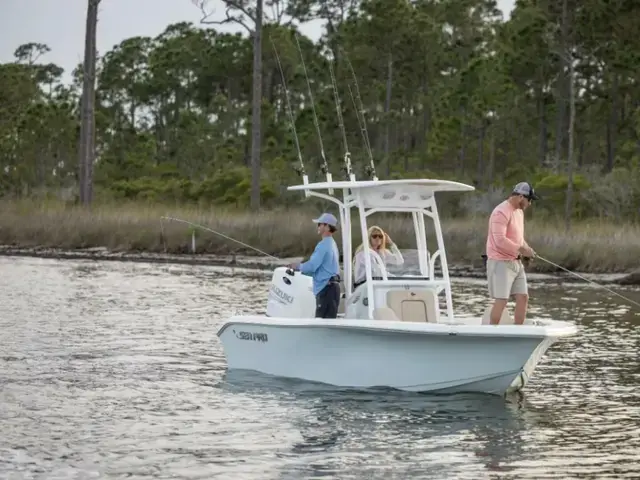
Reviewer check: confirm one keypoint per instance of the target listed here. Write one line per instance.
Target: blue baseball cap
(327, 218)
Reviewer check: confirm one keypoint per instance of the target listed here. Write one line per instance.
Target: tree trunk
(492, 156)
(612, 126)
(256, 109)
(542, 126)
(481, 167)
(424, 142)
(387, 109)
(463, 139)
(563, 87)
(572, 118)
(87, 119)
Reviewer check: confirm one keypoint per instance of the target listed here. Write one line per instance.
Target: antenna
(325, 166)
(301, 171)
(363, 126)
(347, 154)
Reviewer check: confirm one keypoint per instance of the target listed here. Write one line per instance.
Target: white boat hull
(438, 358)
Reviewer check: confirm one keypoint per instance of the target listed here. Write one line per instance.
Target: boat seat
(505, 319)
(414, 305)
(385, 313)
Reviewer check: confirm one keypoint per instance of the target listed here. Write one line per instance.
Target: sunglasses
(376, 235)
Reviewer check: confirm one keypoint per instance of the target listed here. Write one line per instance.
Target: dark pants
(328, 300)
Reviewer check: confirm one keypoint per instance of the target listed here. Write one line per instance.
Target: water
(113, 370)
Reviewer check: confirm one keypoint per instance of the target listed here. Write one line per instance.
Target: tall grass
(589, 247)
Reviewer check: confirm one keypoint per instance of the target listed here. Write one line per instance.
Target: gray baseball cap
(525, 189)
(327, 218)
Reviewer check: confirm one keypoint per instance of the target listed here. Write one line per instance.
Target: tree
(87, 150)
(253, 11)
(469, 96)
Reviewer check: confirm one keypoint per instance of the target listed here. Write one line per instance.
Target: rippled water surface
(113, 370)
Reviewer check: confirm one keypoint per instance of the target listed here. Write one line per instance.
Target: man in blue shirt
(323, 266)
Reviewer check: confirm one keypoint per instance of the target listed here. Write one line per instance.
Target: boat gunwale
(563, 329)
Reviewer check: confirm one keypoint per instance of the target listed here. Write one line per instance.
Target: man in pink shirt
(505, 248)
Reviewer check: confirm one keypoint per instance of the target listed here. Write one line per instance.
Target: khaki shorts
(506, 278)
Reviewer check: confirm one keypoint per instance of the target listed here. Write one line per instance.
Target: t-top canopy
(391, 193)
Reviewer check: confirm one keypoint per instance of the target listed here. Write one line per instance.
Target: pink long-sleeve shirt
(506, 232)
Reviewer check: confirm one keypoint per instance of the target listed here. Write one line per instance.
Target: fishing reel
(299, 170)
(370, 171)
(346, 167)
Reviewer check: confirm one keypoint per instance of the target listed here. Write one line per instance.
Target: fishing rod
(197, 225)
(371, 170)
(347, 155)
(325, 165)
(581, 277)
(301, 171)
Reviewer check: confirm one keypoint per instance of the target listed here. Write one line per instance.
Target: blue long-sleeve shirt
(323, 263)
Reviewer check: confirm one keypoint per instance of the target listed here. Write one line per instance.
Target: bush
(552, 189)
(230, 187)
(616, 195)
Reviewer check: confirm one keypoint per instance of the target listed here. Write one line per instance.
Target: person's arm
(393, 256)
(498, 230)
(314, 262)
(359, 268)
(527, 250)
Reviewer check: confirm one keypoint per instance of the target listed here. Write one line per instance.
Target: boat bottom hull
(402, 360)
(499, 386)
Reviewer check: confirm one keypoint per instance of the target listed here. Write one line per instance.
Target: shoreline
(136, 231)
(266, 263)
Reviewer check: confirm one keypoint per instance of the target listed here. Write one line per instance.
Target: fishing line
(220, 234)
(581, 277)
(363, 125)
(336, 96)
(292, 122)
(325, 165)
(587, 280)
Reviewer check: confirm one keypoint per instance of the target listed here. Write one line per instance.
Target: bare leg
(520, 312)
(499, 304)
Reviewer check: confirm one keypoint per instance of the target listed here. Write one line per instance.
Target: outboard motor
(291, 295)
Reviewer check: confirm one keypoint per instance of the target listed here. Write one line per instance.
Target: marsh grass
(596, 246)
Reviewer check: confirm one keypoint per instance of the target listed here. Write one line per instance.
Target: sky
(60, 24)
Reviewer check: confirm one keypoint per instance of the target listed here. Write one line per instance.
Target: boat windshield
(410, 267)
(401, 261)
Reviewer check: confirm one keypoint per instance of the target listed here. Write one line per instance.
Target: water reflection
(412, 433)
(113, 370)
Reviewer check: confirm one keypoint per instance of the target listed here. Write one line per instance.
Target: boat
(395, 331)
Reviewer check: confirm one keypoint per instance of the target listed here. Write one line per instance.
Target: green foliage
(616, 195)
(448, 89)
(552, 188)
(230, 187)
(154, 189)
